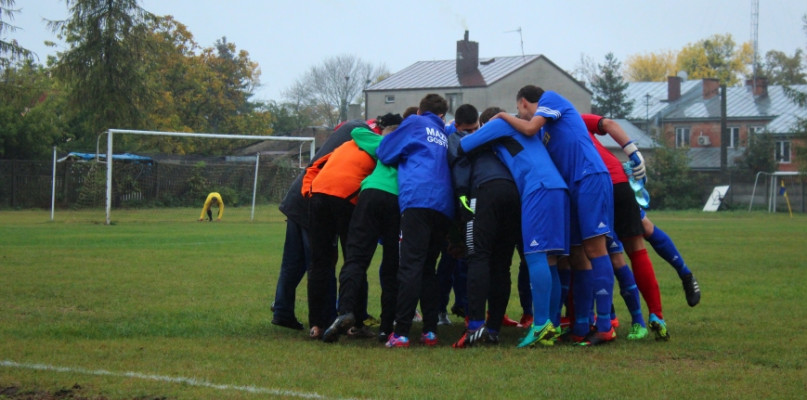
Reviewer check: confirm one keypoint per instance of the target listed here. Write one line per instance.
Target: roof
(443, 73)
(636, 134)
(709, 157)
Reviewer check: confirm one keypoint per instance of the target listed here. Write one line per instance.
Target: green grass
(158, 293)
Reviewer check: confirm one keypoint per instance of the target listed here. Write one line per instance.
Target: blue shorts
(545, 221)
(592, 207)
(613, 244)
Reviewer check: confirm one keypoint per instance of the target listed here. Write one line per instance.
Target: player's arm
(529, 128)
(628, 146)
(221, 209)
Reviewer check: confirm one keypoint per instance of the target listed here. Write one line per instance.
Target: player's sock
(630, 293)
(582, 286)
(664, 246)
(603, 290)
(541, 284)
(646, 280)
(474, 324)
(554, 301)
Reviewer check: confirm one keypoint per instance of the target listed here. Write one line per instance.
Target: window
(782, 151)
(454, 101)
(681, 137)
(756, 129)
(389, 99)
(734, 137)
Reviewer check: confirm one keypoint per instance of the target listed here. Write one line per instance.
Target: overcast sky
(288, 37)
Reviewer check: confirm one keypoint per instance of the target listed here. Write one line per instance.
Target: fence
(27, 184)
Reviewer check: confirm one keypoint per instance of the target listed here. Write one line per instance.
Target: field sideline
(158, 305)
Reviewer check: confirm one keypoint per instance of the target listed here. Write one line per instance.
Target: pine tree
(610, 99)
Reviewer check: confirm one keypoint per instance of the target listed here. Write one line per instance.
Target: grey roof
(642, 140)
(709, 157)
(776, 111)
(443, 73)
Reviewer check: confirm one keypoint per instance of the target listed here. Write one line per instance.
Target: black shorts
(627, 216)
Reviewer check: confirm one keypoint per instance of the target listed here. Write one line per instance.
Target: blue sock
(541, 283)
(555, 300)
(665, 247)
(474, 325)
(603, 272)
(583, 298)
(630, 293)
(565, 276)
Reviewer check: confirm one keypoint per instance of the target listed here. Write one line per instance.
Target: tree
(650, 67)
(332, 85)
(759, 154)
(670, 182)
(715, 57)
(783, 70)
(610, 99)
(586, 70)
(10, 46)
(102, 69)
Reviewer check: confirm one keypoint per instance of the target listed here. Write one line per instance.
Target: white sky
(288, 37)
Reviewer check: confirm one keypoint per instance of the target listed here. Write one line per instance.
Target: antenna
(521, 37)
(754, 38)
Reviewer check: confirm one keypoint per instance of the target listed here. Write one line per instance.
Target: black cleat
(458, 311)
(288, 323)
(339, 326)
(691, 289)
(474, 338)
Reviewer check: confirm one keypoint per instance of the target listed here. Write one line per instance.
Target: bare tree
(586, 71)
(333, 84)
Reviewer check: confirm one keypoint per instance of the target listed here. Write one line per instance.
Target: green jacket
(383, 177)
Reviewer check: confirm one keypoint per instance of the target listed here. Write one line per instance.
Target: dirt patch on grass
(73, 393)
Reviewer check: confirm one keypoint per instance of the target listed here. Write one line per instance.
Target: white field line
(162, 378)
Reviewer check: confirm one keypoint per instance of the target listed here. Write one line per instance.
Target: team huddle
(479, 190)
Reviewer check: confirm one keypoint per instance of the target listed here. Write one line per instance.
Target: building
(469, 79)
(687, 114)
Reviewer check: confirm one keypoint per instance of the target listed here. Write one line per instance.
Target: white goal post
(112, 132)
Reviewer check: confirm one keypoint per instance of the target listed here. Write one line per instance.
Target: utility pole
(724, 137)
(647, 113)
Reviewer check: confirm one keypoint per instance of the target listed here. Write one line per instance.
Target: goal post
(112, 132)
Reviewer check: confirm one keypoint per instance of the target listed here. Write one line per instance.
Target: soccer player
(490, 208)
(425, 196)
(377, 215)
(544, 216)
(212, 198)
(591, 199)
(664, 247)
(333, 185)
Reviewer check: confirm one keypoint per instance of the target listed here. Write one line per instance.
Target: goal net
(170, 180)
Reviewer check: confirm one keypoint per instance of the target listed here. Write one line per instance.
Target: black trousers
(423, 233)
(491, 239)
(329, 219)
(376, 216)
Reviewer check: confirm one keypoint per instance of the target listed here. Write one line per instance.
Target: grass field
(158, 305)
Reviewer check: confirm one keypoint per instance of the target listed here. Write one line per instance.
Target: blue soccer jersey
(566, 138)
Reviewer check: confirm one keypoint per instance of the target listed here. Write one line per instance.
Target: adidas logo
(602, 225)
(614, 245)
(533, 243)
(601, 292)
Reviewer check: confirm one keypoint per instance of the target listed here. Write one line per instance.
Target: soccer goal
(110, 160)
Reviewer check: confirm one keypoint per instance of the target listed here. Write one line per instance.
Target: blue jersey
(419, 148)
(525, 156)
(566, 138)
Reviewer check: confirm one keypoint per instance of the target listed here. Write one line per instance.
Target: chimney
(759, 86)
(673, 88)
(711, 87)
(468, 63)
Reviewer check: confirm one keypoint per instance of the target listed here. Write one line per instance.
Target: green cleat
(659, 327)
(536, 334)
(637, 331)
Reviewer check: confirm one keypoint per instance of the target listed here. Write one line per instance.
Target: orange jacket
(339, 173)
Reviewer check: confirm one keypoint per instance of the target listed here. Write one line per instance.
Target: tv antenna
(521, 37)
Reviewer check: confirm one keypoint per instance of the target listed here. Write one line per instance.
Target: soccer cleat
(506, 321)
(288, 323)
(382, 337)
(364, 332)
(339, 326)
(637, 331)
(659, 327)
(598, 338)
(525, 322)
(315, 333)
(372, 321)
(473, 338)
(442, 319)
(614, 322)
(691, 289)
(429, 339)
(397, 341)
(542, 335)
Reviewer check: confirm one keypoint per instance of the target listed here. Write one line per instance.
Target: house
(469, 79)
(687, 114)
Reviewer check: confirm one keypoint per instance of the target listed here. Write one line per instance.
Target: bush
(670, 181)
